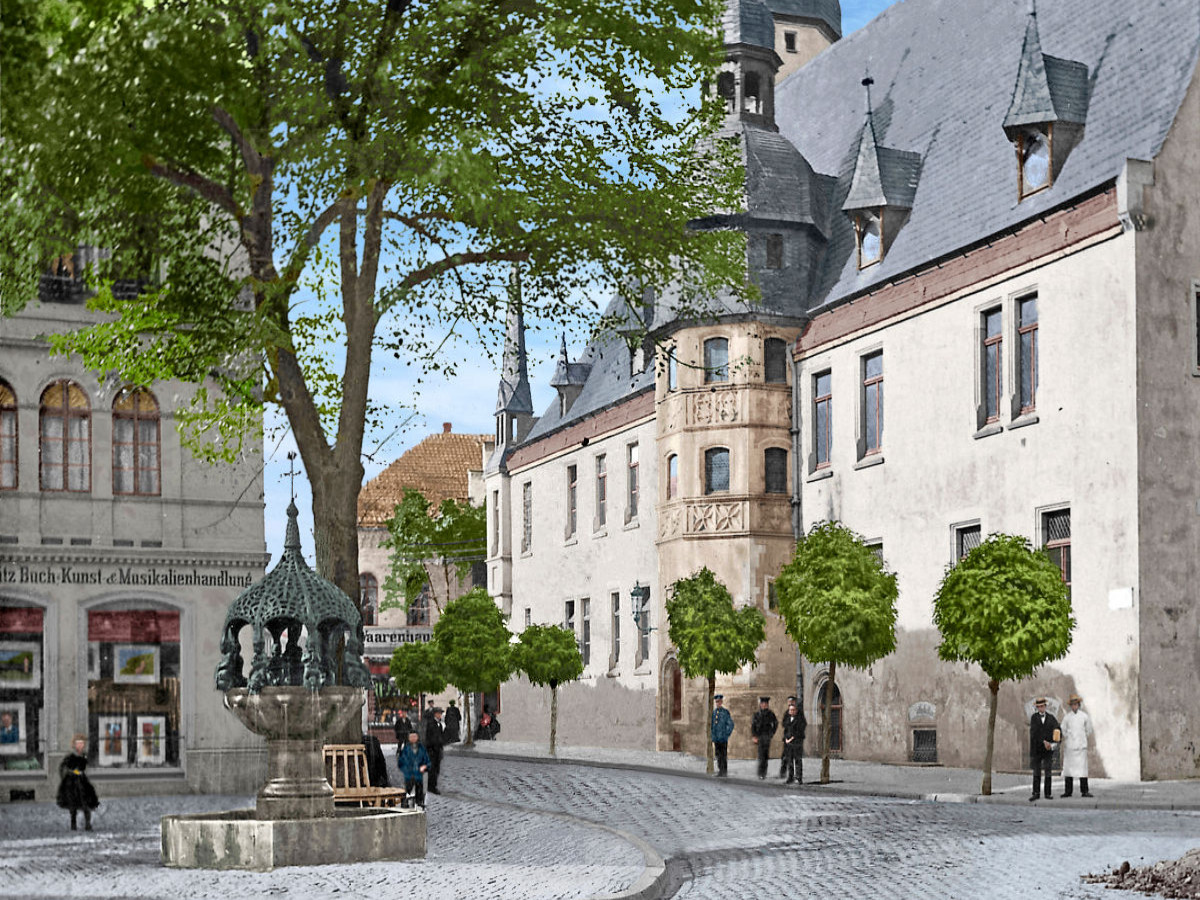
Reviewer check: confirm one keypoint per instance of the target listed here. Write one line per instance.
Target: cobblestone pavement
(519, 831)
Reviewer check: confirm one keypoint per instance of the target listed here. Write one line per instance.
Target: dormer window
(868, 231)
(1033, 151)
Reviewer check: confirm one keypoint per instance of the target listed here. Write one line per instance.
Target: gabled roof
(438, 467)
(944, 73)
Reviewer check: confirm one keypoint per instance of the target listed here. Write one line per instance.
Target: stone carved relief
(706, 518)
(714, 408)
(668, 522)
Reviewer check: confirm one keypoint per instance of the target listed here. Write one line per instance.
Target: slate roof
(748, 22)
(437, 467)
(945, 73)
(882, 176)
(827, 11)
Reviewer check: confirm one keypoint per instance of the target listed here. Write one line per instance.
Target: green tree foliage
(473, 642)
(1005, 607)
(709, 635)
(549, 656)
(838, 603)
(286, 188)
(416, 668)
(432, 548)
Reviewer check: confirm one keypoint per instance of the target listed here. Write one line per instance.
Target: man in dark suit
(435, 739)
(762, 728)
(1043, 738)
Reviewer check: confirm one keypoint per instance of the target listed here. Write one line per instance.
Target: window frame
(777, 453)
(958, 531)
(1059, 549)
(615, 597)
(585, 630)
(10, 436)
(862, 218)
(716, 374)
(601, 491)
(672, 479)
(632, 481)
(822, 400)
(527, 517)
(66, 414)
(871, 402)
(1026, 405)
(775, 356)
(572, 523)
(711, 455)
(134, 418)
(1046, 133)
(989, 343)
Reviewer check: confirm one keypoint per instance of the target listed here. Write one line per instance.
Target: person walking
(783, 757)
(435, 740)
(1044, 736)
(794, 726)
(413, 761)
(75, 791)
(721, 729)
(1076, 728)
(453, 724)
(762, 728)
(402, 726)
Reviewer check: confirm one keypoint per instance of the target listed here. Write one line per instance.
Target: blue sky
(465, 401)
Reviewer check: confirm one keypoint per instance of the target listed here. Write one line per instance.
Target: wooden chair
(346, 771)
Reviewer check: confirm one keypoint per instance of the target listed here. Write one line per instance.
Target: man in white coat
(1076, 728)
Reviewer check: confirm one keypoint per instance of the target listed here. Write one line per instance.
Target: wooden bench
(346, 771)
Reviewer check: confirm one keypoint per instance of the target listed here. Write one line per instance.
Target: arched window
(775, 361)
(727, 90)
(716, 470)
(672, 477)
(368, 597)
(137, 460)
(66, 438)
(418, 609)
(775, 465)
(8, 438)
(716, 360)
(835, 712)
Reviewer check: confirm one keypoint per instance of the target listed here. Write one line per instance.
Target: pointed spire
(514, 395)
(1048, 89)
(563, 367)
(291, 540)
(866, 187)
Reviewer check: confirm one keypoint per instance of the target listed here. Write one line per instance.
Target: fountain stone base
(239, 839)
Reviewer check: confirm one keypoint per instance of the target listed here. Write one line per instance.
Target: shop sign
(154, 576)
(379, 640)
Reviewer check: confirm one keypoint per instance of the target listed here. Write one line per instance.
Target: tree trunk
(827, 723)
(994, 688)
(469, 739)
(553, 715)
(708, 744)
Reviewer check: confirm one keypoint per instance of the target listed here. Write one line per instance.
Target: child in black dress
(75, 792)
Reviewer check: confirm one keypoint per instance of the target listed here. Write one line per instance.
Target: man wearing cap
(1044, 736)
(1076, 727)
(722, 728)
(762, 729)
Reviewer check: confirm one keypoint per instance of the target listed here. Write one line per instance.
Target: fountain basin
(239, 839)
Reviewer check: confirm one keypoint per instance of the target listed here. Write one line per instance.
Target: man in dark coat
(453, 724)
(794, 726)
(402, 726)
(722, 728)
(762, 729)
(435, 739)
(1044, 736)
(376, 764)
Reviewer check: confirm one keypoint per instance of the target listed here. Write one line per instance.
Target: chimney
(445, 428)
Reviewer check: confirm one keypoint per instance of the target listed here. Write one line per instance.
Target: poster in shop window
(12, 728)
(113, 740)
(135, 663)
(151, 740)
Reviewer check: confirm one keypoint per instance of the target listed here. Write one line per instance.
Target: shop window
(136, 443)
(22, 687)
(133, 686)
(66, 438)
(8, 438)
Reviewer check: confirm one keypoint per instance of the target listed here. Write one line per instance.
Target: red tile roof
(437, 467)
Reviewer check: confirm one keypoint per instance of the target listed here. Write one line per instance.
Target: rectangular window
(716, 470)
(643, 625)
(527, 517)
(616, 627)
(872, 402)
(789, 41)
(8, 438)
(495, 522)
(1056, 537)
(775, 463)
(775, 361)
(716, 360)
(672, 477)
(585, 635)
(774, 251)
(569, 615)
(672, 370)
(993, 368)
(823, 417)
(528, 617)
(572, 499)
(601, 491)
(966, 539)
(632, 479)
(876, 547)
(1027, 332)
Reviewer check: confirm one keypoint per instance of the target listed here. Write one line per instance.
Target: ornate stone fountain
(293, 698)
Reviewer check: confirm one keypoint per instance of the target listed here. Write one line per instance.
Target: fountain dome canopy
(292, 600)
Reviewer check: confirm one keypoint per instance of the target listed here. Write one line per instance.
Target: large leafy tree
(709, 635)
(1005, 607)
(286, 188)
(417, 669)
(838, 602)
(473, 642)
(549, 656)
(435, 548)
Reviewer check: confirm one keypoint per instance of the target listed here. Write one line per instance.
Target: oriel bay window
(133, 686)
(716, 360)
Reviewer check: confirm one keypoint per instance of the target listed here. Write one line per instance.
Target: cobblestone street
(524, 831)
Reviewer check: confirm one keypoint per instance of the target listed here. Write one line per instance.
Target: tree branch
(435, 269)
(194, 181)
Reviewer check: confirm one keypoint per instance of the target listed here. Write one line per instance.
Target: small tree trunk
(994, 688)
(469, 741)
(708, 755)
(827, 723)
(553, 715)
